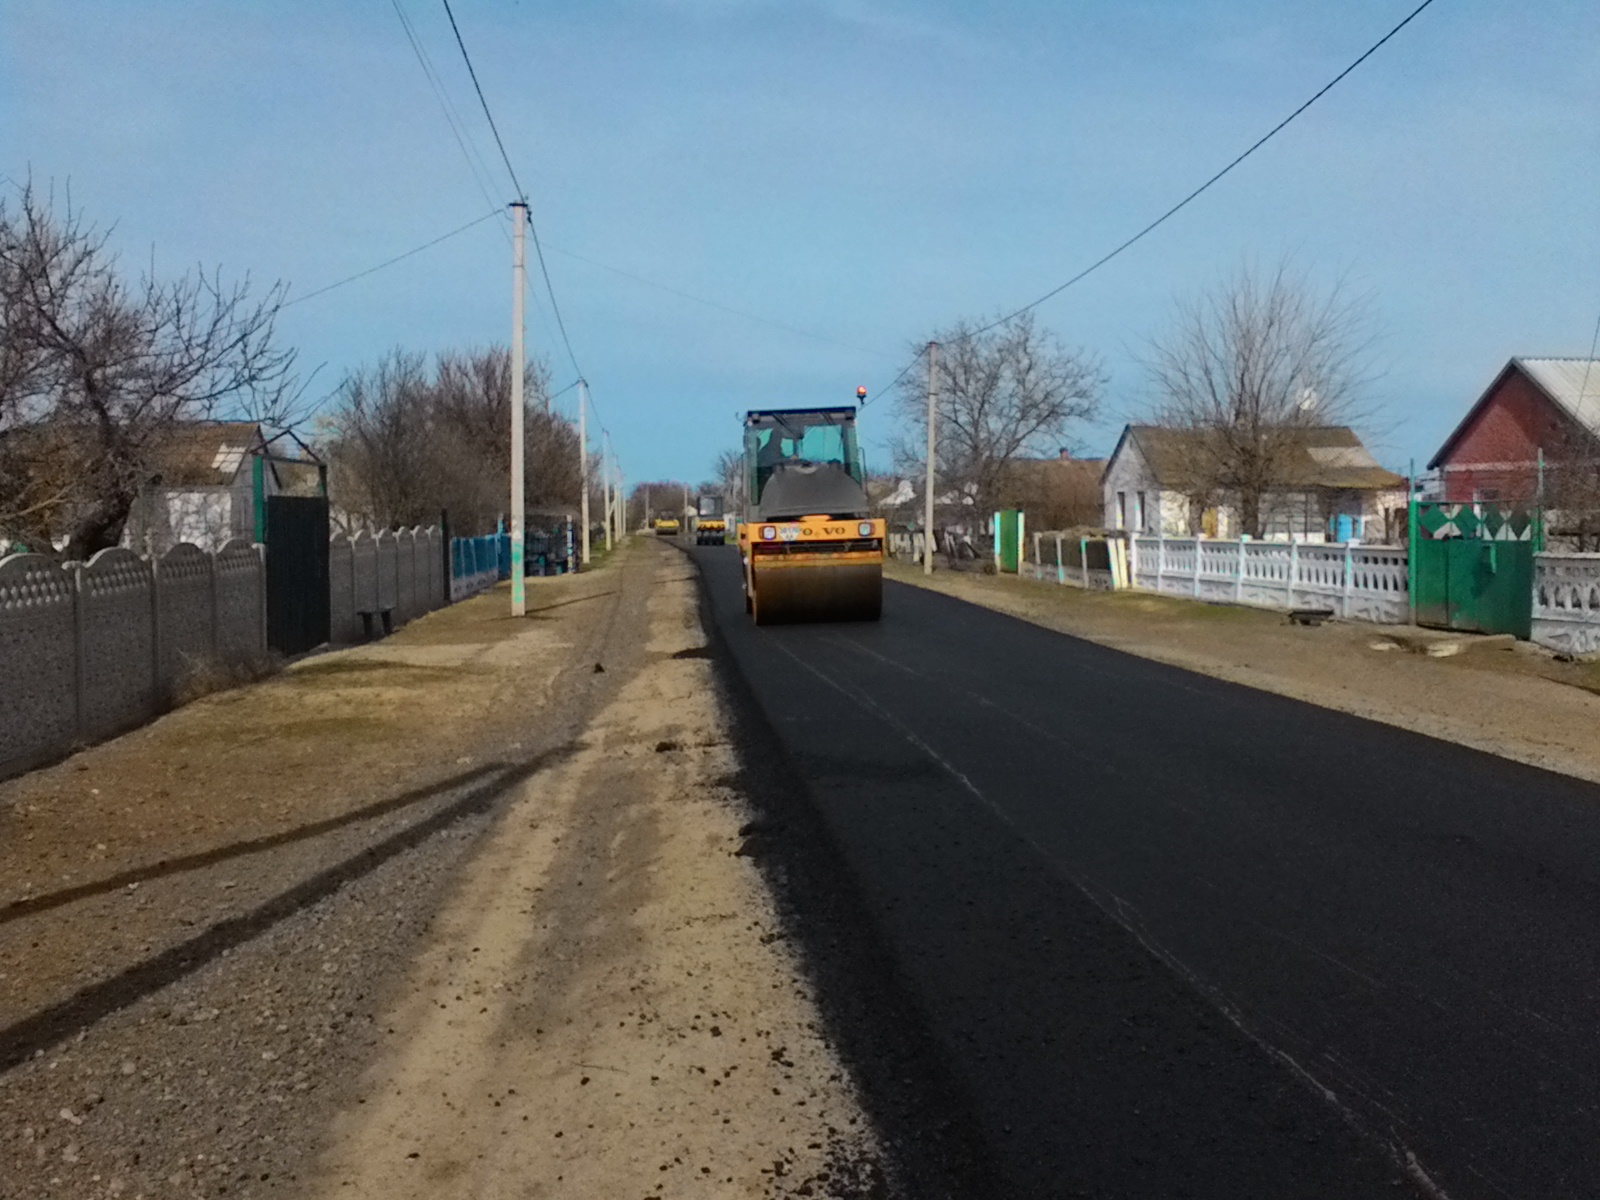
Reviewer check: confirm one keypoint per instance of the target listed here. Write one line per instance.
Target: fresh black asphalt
(1167, 936)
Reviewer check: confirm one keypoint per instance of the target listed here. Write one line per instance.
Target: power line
(522, 196)
(467, 58)
(749, 316)
(469, 149)
(538, 251)
(1261, 141)
(494, 212)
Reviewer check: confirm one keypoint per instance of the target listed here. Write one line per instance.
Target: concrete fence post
(1061, 564)
(216, 606)
(1161, 559)
(79, 658)
(1294, 567)
(1083, 560)
(1238, 579)
(152, 565)
(261, 596)
(1037, 561)
(1349, 578)
(1198, 559)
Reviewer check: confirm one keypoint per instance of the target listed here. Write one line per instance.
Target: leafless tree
(728, 478)
(1246, 368)
(97, 368)
(1007, 393)
(405, 442)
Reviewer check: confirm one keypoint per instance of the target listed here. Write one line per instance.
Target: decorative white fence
(1566, 602)
(1368, 583)
(90, 649)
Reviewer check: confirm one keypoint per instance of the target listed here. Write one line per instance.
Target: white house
(209, 483)
(1334, 490)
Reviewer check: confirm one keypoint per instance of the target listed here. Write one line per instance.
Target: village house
(1536, 407)
(1332, 490)
(209, 483)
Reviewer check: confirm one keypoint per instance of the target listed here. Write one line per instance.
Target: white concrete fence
(1367, 583)
(90, 649)
(1566, 602)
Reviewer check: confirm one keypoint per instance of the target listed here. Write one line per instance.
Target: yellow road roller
(711, 523)
(666, 526)
(811, 549)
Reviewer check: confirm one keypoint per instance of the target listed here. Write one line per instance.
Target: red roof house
(1548, 405)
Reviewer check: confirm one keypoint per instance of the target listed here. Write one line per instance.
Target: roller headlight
(768, 532)
(864, 529)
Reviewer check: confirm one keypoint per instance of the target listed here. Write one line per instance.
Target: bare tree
(1246, 369)
(96, 370)
(404, 442)
(1006, 393)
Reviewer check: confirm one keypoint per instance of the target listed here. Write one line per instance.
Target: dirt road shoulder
(605, 1006)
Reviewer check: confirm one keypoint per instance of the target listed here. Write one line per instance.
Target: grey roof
(1573, 383)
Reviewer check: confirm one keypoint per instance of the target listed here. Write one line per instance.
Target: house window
(1122, 510)
(1141, 513)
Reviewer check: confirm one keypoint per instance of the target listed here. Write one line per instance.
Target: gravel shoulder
(208, 927)
(1518, 702)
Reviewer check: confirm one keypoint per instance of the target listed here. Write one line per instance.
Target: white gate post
(1294, 567)
(1197, 544)
(1061, 566)
(1238, 579)
(1161, 559)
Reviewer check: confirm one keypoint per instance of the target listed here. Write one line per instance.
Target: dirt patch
(219, 931)
(1517, 702)
(606, 1007)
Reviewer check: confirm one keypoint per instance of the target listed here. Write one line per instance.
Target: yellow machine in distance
(710, 524)
(810, 548)
(666, 525)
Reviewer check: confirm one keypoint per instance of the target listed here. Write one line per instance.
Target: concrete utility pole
(927, 499)
(583, 462)
(611, 494)
(519, 287)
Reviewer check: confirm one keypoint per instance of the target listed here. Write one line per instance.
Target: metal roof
(1573, 383)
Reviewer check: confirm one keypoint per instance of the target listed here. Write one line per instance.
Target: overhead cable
(522, 196)
(749, 316)
(458, 127)
(493, 128)
(494, 212)
(1256, 145)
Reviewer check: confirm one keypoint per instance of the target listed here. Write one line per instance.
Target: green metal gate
(1472, 567)
(1008, 537)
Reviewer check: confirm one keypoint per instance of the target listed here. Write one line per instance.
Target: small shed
(208, 483)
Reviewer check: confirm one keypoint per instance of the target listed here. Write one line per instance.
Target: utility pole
(519, 287)
(611, 495)
(927, 499)
(583, 462)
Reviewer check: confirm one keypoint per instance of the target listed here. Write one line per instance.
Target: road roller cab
(812, 550)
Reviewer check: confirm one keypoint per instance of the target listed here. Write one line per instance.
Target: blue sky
(867, 170)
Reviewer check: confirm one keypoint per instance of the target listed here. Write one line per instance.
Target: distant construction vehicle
(666, 524)
(710, 523)
(811, 549)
